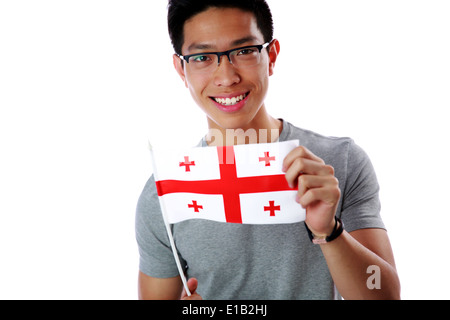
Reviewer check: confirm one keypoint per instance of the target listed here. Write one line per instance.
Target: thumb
(192, 285)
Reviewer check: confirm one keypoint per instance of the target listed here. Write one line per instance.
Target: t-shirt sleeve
(360, 203)
(155, 253)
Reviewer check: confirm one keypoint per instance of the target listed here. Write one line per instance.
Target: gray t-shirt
(238, 261)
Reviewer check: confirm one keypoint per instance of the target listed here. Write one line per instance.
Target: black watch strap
(337, 231)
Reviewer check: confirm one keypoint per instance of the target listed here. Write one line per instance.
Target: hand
(192, 285)
(318, 188)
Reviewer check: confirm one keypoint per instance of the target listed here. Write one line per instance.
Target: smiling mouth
(230, 101)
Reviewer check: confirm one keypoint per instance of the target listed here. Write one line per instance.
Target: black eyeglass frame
(224, 53)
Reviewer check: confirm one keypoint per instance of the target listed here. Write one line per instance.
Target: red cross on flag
(235, 184)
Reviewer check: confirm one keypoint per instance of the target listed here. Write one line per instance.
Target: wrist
(324, 231)
(328, 237)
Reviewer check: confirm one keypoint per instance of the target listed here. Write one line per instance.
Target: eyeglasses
(243, 57)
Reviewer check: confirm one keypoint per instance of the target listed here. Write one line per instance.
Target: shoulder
(155, 254)
(148, 210)
(333, 150)
(148, 194)
(150, 187)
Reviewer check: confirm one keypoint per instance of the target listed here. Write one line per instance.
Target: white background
(84, 84)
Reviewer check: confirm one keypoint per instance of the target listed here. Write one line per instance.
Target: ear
(274, 51)
(178, 64)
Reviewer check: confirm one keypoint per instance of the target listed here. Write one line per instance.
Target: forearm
(348, 262)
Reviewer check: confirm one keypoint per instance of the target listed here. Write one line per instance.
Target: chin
(234, 122)
(240, 119)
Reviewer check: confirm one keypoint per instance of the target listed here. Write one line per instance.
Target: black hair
(182, 10)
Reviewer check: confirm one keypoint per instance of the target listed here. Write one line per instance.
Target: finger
(327, 195)
(303, 186)
(194, 296)
(306, 182)
(306, 166)
(299, 152)
(192, 285)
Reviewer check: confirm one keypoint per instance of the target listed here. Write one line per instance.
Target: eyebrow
(206, 46)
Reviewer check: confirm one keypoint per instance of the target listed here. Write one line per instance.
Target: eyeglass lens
(240, 58)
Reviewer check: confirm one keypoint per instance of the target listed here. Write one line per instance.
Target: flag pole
(167, 224)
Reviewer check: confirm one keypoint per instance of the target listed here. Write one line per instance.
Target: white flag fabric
(234, 184)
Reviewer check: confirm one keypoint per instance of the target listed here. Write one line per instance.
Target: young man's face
(216, 30)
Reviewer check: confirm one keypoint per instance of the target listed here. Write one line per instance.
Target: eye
(201, 58)
(247, 51)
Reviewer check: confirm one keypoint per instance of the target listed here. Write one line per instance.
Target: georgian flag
(233, 184)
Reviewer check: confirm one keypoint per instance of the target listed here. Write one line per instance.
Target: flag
(232, 184)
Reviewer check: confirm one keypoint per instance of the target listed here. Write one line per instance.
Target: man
(343, 236)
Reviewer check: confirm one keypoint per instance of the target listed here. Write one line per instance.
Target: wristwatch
(337, 231)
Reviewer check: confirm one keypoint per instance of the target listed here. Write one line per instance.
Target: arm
(348, 256)
(150, 288)
(151, 236)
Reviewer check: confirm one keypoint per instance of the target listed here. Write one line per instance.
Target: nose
(226, 74)
(223, 55)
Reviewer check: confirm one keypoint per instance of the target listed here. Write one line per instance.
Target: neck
(262, 129)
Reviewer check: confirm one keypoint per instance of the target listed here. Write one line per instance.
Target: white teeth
(230, 101)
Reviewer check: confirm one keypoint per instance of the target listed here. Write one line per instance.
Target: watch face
(319, 241)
